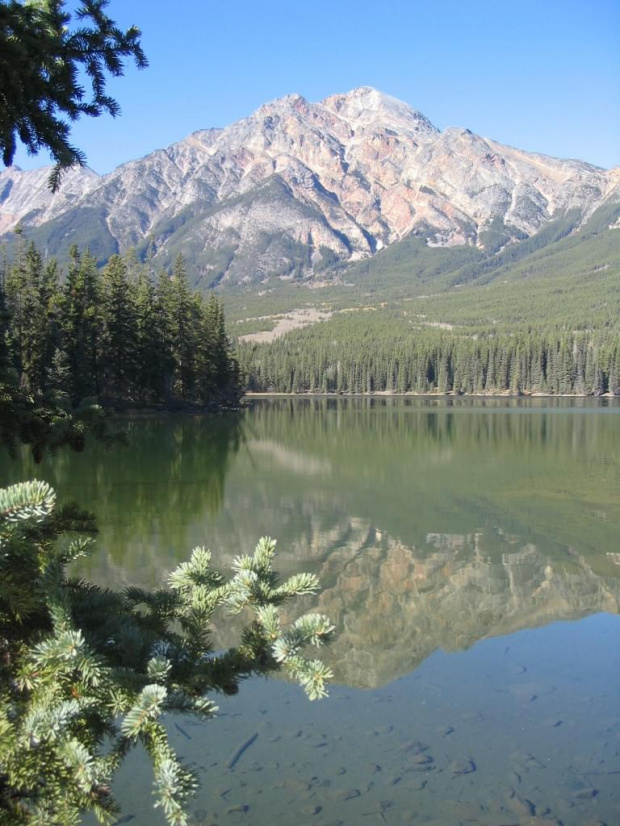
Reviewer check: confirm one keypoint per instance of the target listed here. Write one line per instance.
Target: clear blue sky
(542, 75)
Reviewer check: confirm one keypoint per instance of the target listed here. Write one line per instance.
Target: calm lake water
(469, 553)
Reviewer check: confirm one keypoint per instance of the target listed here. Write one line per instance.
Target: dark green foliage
(327, 260)
(115, 335)
(44, 424)
(382, 352)
(43, 421)
(81, 327)
(408, 261)
(43, 63)
(498, 235)
(185, 313)
(120, 328)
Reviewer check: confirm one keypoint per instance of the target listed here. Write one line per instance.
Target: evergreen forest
(130, 336)
(120, 334)
(376, 353)
(536, 316)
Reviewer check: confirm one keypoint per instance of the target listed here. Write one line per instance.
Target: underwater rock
(463, 767)
(414, 747)
(239, 809)
(345, 794)
(466, 810)
(527, 761)
(421, 759)
(585, 794)
(522, 807)
(309, 811)
(540, 821)
(294, 784)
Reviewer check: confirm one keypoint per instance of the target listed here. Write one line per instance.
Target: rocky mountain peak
(297, 185)
(281, 106)
(365, 105)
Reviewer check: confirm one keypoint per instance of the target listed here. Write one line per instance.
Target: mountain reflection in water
(431, 523)
(393, 605)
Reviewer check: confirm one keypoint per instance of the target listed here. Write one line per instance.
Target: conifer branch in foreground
(88, 673)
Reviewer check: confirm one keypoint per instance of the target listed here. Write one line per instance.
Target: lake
(469, 555)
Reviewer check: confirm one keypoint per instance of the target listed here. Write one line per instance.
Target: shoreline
(383, 394)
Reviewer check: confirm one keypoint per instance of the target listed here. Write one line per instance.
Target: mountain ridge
(297, 186)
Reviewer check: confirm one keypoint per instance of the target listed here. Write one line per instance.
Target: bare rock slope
(298, 185)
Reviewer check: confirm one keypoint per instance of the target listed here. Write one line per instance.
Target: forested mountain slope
(360, 249)
(541, 316)
(459, 286)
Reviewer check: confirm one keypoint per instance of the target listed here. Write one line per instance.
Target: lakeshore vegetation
(377, 353)
(121, 334)
(130, 336)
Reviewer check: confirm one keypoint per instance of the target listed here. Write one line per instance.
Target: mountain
(25, 197)
(298, 187)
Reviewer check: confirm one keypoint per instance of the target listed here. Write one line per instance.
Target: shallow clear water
(469, 553)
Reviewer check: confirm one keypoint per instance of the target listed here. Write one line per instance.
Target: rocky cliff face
(298, 184)
(25, 196)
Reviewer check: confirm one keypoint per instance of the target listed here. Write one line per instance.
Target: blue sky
(543, 76)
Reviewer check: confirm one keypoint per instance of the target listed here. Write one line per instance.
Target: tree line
(375, 357)
(121, 334)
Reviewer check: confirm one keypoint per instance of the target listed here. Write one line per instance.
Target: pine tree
(151, 362)
(42, 423)
(15, 287)
(120, 330)
(165, 326)
(45, 59)
(33, 327)
(185, 324)
(219, 361)
(81, 325)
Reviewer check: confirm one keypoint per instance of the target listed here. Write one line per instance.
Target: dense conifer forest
(123, 334)
(129, 336)
(376, 352)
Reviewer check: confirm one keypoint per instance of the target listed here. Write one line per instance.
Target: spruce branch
(158, 668)
(88, 673)
(147, 708)
(297, 585)
(27, 501)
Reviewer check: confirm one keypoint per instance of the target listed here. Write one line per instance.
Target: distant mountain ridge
(299, 186)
